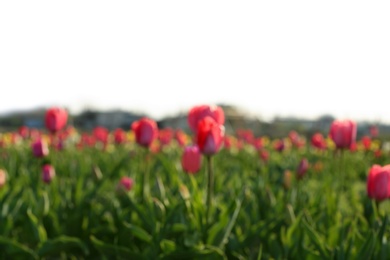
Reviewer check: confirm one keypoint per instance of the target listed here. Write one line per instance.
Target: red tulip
(245, 135)
(302, 168)
(343, 133)
(125, 184)
(264, 155)
(209, 136)
(3, 178)
(378, 182)
(101, 134)
(279, 145)
(191, 160)
(40, 148)
(48, 173)
(55, 119)
(258, 143)
(318, 141)
(165, 136)
(197, 113)
(24, 131)
(119, 136)
(366, 140)
(145, 130)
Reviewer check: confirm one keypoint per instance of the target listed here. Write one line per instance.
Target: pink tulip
(3, 178)
(48, 173)
(55, 119)
(40, 148)
(197, 113)
(378, 182)
(302, 168)
(210, 136)
(145, 130)
(125, 183)
(191, 160)
(343, 133)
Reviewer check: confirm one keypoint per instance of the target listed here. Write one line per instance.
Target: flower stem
(210, 188)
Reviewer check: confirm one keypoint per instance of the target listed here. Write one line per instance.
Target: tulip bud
(48, 173)
(125, 184)
(191, 160)
(40, 148)
(302, 168)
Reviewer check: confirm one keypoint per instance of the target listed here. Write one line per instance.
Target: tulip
(3, 178)
(125, 183)
(279, 145)
(343, 133)
(302, 168)
(48, 173)
(180, 137)
(366, 140)
(145, 130)
(40, 148)
(55, 119)
(264, 155)
(191, 159)
(318, 141)
(119, 136)
(197, 113)
(165, 136)
(210, 136)
(378, 182)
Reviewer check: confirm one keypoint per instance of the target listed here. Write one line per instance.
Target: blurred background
(272, 66)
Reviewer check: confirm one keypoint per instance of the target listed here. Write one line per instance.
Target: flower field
(148, 193)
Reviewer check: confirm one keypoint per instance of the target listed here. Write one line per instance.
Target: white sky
(301, 58)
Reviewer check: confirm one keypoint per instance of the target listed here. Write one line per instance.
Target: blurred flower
(3, 177)
(302, 168)
(279, 145)
(180, 137)
(374, 131)
(343, 133)
(287, 176)
(125, 184)
(366, 141)
(55, 119)
(264, 155)
(318, 141)
(197, 113)
(101, 134)
(209, 136)
(119, 136)
(40, 148)
(165, 136)
(258, 143)
(48, 173)
(145, 130)
(378, 182)
(191, 159)
(24, 132)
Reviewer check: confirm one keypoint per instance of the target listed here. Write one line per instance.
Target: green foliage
(82, 215)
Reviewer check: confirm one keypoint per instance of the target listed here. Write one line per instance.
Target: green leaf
(15, 249)
(114, 250)
(138, 232)
(229, 228)
(38, 229)
(167, 246)
(62, 243)
(316, 239)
